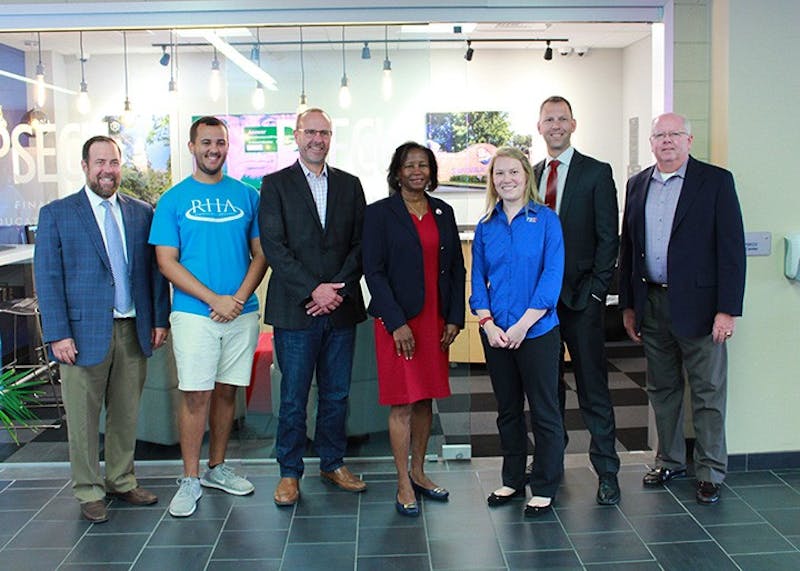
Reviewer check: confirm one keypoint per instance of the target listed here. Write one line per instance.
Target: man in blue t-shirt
(205, 230)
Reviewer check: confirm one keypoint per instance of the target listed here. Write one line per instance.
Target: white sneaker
(224, 478)
(184, 502)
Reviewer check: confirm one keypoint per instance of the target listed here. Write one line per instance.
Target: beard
(101, 191)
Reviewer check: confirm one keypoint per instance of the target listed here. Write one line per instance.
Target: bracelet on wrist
(484, 321)
(239, 301)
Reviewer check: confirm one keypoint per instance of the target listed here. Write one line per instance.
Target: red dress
(426, 375)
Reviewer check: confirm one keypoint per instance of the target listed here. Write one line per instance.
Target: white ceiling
(592, 35)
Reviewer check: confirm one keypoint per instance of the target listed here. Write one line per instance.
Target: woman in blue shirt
(517, 270)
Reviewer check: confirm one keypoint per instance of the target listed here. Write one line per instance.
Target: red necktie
(552, 185)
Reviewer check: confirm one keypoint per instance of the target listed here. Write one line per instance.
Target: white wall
(437, 80)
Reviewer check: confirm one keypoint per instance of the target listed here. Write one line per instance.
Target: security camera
(565, 50)
(582, 51)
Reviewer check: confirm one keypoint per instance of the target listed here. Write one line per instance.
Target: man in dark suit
(581, 190)
(104, 308)
(311, 218)
(682, 275)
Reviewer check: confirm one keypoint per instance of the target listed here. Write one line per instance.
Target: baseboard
(763, 461)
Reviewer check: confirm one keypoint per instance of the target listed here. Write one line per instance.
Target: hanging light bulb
(303, 105)
(40, 90)
(258, 98)
(83, 104)
(215, 79)
(173, 68)
(127, 110)
(386, 80)
(344, 91)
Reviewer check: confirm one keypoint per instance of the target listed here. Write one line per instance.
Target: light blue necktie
(119, 267)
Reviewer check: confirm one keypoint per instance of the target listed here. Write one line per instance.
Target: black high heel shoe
(438, 494)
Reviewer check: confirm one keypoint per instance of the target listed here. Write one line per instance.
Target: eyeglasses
(311, 133)
(672, 135)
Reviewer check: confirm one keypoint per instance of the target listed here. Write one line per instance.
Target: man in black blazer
(311, 219)
(582, 192)
(682, 274)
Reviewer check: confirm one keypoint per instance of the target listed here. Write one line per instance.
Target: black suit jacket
(393, 263)
(302, 254)
(705, 256)
(590, 221)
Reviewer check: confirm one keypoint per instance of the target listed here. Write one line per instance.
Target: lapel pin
(438, 212)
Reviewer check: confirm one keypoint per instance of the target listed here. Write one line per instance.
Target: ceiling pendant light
(215, 79)
(127, 111)
(344, 91)
(40, 89)
(303, 105)
(173, 68)
(82, 103)
(386, 80)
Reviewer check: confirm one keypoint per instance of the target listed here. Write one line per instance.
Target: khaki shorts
(207, 352)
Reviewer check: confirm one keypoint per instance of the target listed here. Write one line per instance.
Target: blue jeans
(299, 353)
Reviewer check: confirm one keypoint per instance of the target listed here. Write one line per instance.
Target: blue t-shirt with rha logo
(212, 226)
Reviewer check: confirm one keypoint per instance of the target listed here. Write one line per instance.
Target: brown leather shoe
(137, 496)
(95, 511)
(345, 479)
(288, 492)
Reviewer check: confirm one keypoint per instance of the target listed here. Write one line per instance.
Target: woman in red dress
(415, 273)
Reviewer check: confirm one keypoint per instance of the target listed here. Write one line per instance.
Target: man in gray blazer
(581, 190)
(104, 308)
(311, 219)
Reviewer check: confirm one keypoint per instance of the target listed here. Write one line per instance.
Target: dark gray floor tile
(641, 503)
(394, 563)
(391, 541)
(250, 545)
(728, 511)
(259, 517)
(51, 483)
(592, 518)
(327, 504)
(632, 480)
(239, 565)
(514, 512)
(32, 559)
(615, 546)
(749, 538)
(668, 528)
(791, 477)
(697, 556)
(132, 520)
(442, 528)
(531, 536)
(766, 497)
(385, 515)
(795, 539)
(186, 532)
(379, 492)
(323, 530)
(757, 478)
(326, 557)
(173, 558)
(12, 520)
(555, 559)
(479, 553)
(786, 521)
(768, 561)
(49, 534)
(12, 499)
(96, 566)
(61, 509)
(118, 548)
(631, 566)
(685, 488)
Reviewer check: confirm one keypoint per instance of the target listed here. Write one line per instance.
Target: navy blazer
(74, 282)
(705, 256)
(302, 254)
(393, 264)
(590, 222)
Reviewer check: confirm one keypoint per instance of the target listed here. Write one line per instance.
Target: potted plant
(17, 395)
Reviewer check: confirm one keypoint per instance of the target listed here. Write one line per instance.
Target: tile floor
(755, 526)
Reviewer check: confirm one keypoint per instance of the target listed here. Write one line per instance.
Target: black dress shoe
(608, 490)
(660, 476)
(707, 492)
(538, 511)
(494, 500)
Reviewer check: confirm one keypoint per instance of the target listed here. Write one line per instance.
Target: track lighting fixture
(127, 111)
(386, 82)
(548, 52)
(303, 105)
(40, 91)
(164, 60)
(344, 91)
(215, 79)
(365, 53)
(470, 51)
(83, 104)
